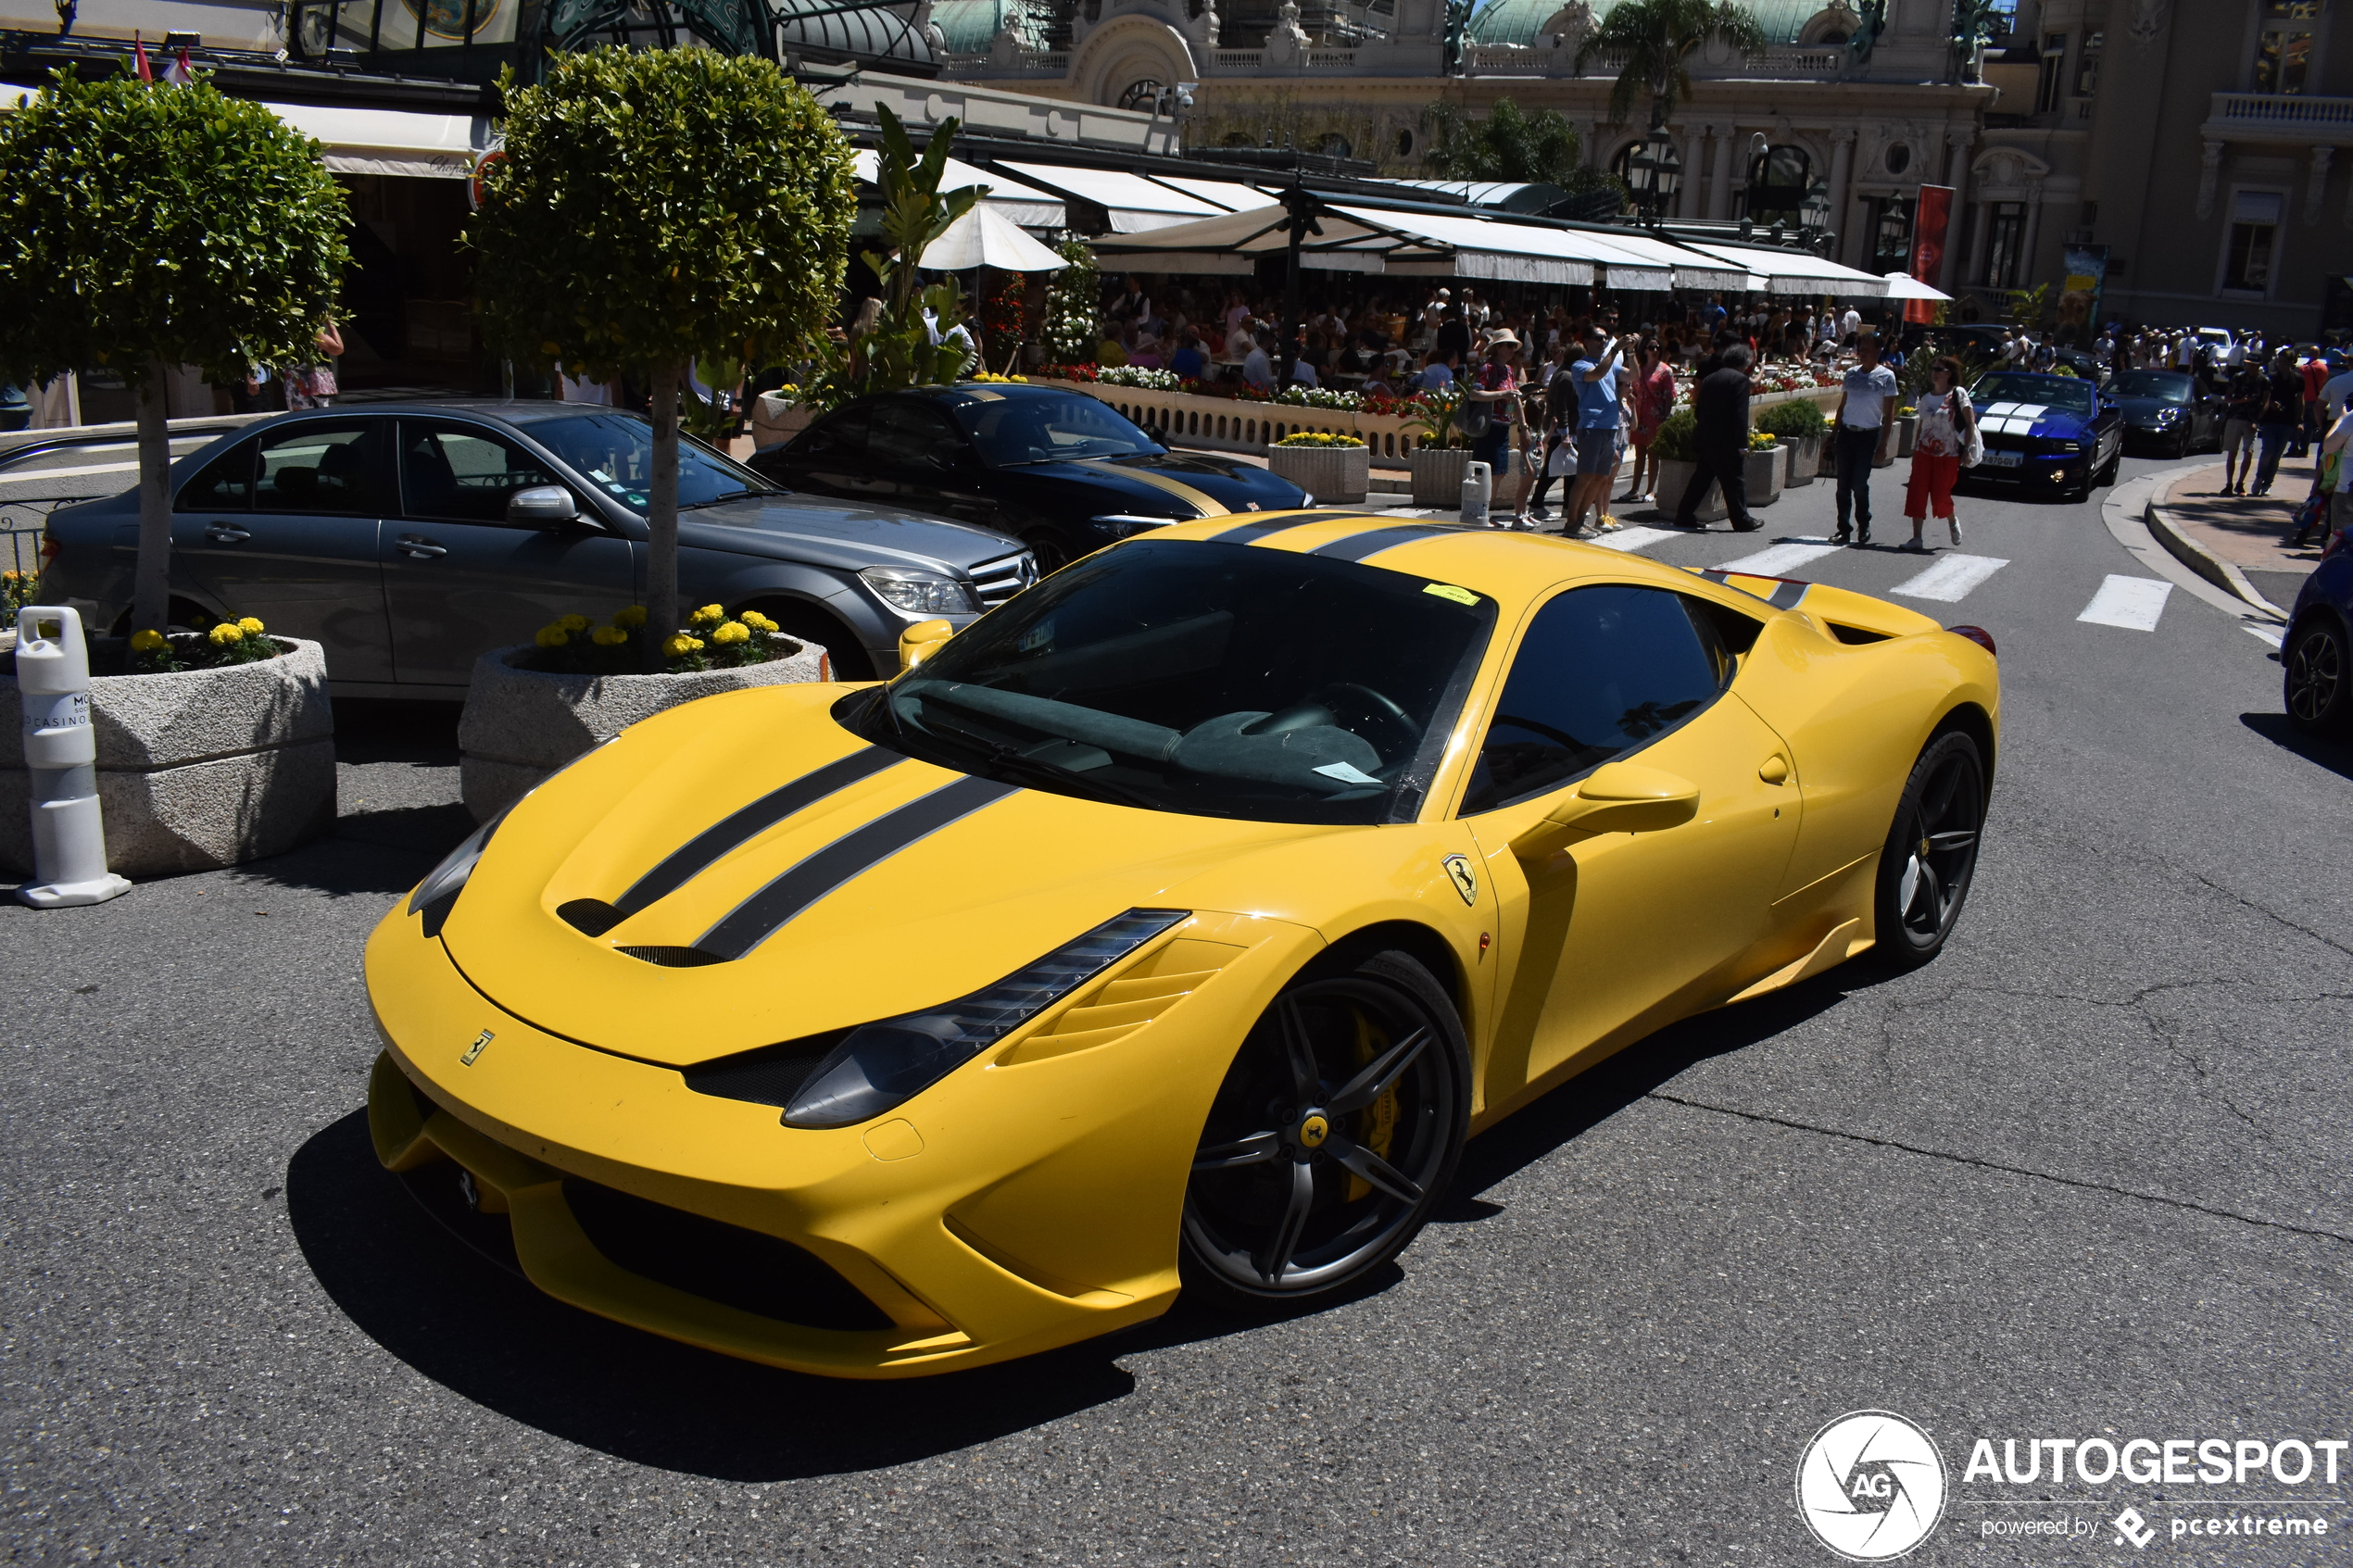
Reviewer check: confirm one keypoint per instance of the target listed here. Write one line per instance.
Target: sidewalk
(2250, 533)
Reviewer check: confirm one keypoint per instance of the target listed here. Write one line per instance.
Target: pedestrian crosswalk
(1635, 538)
(2132, 603)
(1783, 559)
(1950, 580)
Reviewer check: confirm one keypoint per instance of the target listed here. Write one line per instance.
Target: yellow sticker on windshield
(1448, 591)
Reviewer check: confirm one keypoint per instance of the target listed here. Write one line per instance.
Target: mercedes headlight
(1119, 525)
(879, 1066)
(920, 592)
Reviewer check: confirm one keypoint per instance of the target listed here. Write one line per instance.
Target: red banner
(1931, 216)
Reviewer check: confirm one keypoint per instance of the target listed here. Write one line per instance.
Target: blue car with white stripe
(2050, 436)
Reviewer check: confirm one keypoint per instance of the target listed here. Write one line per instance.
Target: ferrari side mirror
(921, 640)
(1615, 797)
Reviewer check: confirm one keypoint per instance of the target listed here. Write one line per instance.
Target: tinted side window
(322, 468)
(841, 439)
(225, 484)
(908, 435)
(462, 472)
(1602, 671)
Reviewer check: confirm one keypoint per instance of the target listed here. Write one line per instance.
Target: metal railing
(2280, 112)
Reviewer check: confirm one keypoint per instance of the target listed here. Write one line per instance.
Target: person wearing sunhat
(1494, 386)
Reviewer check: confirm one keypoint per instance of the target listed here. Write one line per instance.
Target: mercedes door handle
(226, 534)
(417, 547)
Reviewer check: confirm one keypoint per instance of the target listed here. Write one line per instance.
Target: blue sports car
(2053, 436)
(2317, 653)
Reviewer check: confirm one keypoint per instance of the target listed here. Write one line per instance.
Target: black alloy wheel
(1048, 550)
(1924, 872)
(1332, 1137)
(2316, 688)
(2181, 445)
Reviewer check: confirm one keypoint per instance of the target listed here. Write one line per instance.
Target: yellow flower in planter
(226, 633)
(250, 625)
(573, 623)
(731, 632)
(608, 637)
(552, 636)
(634, 615)
(141, 642)
(710, 614)
(757, 621)
(681, 646)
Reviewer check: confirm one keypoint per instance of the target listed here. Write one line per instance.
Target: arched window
(1778, 180)
(1142, 93)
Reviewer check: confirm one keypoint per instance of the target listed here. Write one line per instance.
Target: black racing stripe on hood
(1357, 546)
(852, 855)
(683, 864)
(1251, 533)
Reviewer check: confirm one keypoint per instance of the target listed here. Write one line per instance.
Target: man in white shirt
(2186, 352)
(1849, 324)
(1257, 369)
(1862, 430)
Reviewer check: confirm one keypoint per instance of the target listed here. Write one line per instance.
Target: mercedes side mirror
(1615, 797)
(542, 506)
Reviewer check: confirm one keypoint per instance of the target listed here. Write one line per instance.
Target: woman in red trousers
(1946, 421)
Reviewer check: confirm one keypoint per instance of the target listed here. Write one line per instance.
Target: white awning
(1790, 271)
(1008, 198)
(395, 142)
(1903, 285)
(1133, 204)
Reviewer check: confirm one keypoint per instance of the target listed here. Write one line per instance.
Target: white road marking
(1782, 559)
(1633, 538)
(2133, 603)
(2273, 635)
(1951, 578)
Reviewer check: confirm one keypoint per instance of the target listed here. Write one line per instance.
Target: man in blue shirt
(1600, 437)
(1188, 361)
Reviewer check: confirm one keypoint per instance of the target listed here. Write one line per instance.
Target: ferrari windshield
(1216, 679)
(2047, 391)
(1010, 431)
(616, 451)
(2163, 386)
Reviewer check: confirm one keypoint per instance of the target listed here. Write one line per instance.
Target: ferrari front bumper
(1028, 1200)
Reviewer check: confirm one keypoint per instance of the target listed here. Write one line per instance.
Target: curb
(2124, 511)
(2215, 570)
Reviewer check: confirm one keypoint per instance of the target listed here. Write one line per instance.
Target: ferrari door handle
(418, 548)
(1774, 769)
(226, 534)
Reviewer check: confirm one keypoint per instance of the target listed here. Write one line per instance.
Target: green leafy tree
(656, 208)
(147, 226)
(1511, 144)
(899, 352)
(1655, 39)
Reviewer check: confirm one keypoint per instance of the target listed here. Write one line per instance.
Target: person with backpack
(2283, 416)
(2242, 407)
(1947, 423)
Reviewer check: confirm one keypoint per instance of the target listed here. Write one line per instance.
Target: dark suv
(411, 538)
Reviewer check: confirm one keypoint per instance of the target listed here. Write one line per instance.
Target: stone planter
(1674, 477)
(1905, 430)
(1804, 460)
(1765, 473)
(774, 420)
(520, 725)
(1437, 475)
(1329, 473)
(199, 769)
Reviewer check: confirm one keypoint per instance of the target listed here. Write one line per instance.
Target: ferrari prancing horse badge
(1458, 868)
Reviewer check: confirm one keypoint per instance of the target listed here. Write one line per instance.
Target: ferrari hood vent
(672, 958)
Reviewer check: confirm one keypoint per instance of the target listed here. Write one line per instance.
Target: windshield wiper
(732, 495)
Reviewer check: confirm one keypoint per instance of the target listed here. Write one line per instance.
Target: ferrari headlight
(878, 1066)
(918, 592)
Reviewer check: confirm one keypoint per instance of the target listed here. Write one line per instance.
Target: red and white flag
(178, 73)
(139, 50)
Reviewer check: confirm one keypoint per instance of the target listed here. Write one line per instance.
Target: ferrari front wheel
(1331, 1138)
(1931, 855)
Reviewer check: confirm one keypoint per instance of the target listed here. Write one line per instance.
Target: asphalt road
(2085, 1175)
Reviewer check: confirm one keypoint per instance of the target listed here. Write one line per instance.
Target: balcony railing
(2281, 114)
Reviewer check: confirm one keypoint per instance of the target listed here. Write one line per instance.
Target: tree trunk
(151, 578)
(661, 520)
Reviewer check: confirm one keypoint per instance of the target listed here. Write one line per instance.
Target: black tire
(1931, 855)
(2316, 685)
(2106, 476)
(797, 618)
(2181, 447)
(1276, 1212)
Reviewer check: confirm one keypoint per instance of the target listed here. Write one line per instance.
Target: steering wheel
(1381, 708)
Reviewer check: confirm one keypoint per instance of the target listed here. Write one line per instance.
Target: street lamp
(1653, 171)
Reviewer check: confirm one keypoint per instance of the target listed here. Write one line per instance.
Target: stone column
(1957, 146)
(1586, 154)
(1687, 184)
(1720, 195)
(1977, 230)
(2033, 231)
(2317, 184)
(2209, 168)
(1842, 166)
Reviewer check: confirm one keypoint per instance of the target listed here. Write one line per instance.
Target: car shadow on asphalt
(2336, 756)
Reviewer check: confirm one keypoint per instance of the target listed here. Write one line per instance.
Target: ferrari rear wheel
(1334, 1134)
(1931, 855)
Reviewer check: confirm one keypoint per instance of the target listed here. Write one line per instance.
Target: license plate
(2004, 459)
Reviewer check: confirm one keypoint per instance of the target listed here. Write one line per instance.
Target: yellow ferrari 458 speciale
(1169, 928)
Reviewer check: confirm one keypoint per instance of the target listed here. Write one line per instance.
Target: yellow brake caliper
(1378, 1122)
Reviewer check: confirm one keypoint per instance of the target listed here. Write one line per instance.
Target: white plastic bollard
(1477, 488)
(61, 751)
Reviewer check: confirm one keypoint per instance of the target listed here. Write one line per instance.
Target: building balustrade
(2279, 117)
